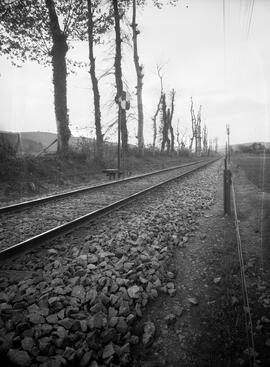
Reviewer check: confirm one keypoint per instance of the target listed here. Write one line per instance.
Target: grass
(34, 176)
(257, 169)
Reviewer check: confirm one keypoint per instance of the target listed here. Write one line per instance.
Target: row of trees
(44, 30)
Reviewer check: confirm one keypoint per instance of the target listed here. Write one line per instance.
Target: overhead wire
(249, 8)
(224, 39)
(250, 17)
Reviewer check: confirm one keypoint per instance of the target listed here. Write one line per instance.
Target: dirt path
(204, 323)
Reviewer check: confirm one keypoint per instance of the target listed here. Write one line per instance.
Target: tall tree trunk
(154, 118)
(193, 126)
(172, 138)
(118, 74)
(170, 121)
(94, 80)
(199, 132)
(165, 117)
(59, 51)
(205, 139)
(168, 142)
(140, 75)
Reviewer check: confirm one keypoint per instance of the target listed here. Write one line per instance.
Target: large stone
(52, 251)
(92, 259)
(83, 325)
(60, 332)
(36, 318)
(56, 361)
(85, 360)
(148, 333)
(66, 323)
(124, 309)
(53, 300)
(98, 321)
(52, 319)
(19, 357)
(3, 297)
(133, 291)
(93, 340)
(44, 344)
(108, 351)
(79, 292)
(91, 296)
(113, 321)
(112, 312)
(27, 344)
(122, 326)
(69, 354)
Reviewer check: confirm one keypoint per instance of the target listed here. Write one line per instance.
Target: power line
(250, 18)
(224, 38)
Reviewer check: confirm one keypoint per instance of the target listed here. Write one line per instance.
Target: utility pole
(119, 142)
(227, 176)
(228, 140)
(123, 102)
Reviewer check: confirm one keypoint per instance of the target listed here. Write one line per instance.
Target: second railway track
(28, 225)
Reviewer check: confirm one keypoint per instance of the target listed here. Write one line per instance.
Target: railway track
(30, 203)
(30, 223)
(78, 296)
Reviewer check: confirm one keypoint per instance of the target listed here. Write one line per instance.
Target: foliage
(25, 28)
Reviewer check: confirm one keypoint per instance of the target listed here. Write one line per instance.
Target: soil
(204, 323)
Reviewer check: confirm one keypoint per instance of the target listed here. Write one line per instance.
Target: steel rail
(67, 227)
(29, 203)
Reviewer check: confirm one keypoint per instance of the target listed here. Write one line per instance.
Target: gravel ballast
(17, 226)
(75, 302)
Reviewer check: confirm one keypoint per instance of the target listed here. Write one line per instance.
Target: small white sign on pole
(124, 101)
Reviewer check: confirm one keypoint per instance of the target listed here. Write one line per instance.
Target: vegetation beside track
(29, 176)
(256, 167)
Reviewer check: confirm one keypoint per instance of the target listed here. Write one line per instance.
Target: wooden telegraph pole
(227, 176)
(123, 105)
(228, 140)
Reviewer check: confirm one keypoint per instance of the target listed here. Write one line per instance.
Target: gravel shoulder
(204, 323)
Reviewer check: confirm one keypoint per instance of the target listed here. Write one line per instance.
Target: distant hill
(266, 144)
(45, 139)
(249, 147)
(35, 141)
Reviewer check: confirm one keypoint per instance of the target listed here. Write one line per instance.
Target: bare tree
(154, 118)
(181, 135)
(94, 79)
(205, 139)
(139, 72)
(178, 137)
(165, 116)
(193, 126)
(199, 133)
(170, 117)
(118, 74)
(216, 144)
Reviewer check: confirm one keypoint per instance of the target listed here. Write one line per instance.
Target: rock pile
(79, 300)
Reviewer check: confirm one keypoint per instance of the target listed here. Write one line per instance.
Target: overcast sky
(228, 73)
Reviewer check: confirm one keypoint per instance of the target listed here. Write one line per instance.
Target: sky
(216, 51)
